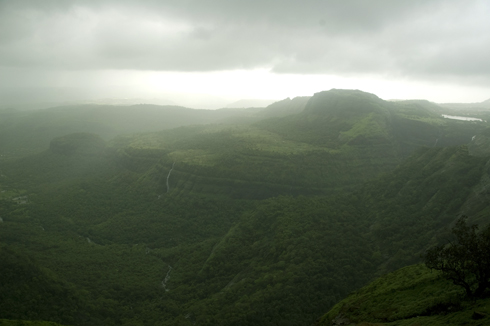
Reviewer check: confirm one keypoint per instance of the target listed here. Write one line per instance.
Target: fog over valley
(244, 163)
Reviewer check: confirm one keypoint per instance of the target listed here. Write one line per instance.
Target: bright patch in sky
(208, 53)
(262, 84)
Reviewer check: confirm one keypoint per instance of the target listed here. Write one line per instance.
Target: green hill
(263, 223)
(285, 107)
(340, 140)
(413, 295)
(27, 132)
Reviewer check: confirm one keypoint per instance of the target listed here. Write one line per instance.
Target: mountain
(23, 133)
(265, 222)
(121, 101)
(285, 107)
(340, 140)
(346, 117)
(484, 105)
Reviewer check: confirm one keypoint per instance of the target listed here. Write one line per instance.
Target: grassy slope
(413, 295)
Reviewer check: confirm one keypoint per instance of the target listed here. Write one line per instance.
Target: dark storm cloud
(405, 38)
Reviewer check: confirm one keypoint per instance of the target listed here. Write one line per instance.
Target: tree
(466, 260)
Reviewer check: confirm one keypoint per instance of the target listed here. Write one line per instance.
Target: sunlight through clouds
(231, 50)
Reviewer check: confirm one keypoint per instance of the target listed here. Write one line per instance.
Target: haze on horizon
(206, 54)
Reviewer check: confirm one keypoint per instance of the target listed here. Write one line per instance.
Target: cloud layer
(429, 38)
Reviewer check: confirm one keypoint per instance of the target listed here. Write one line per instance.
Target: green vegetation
(410, 296)
(330, 146)
(28, 132)
(465, 261)
(264, 222)
(29, 292)
(6, 322)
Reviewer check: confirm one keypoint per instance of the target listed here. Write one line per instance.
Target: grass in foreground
(411, 296)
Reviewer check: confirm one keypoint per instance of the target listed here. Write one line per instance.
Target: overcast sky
(230, 49)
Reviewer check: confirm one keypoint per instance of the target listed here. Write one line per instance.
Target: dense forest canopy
(247, 217)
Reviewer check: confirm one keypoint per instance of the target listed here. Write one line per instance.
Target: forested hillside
(270, 220)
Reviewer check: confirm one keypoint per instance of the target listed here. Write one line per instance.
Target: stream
(168, 176)
(167, 277)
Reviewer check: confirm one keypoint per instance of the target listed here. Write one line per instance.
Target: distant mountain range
(250, 103)
(478, 105)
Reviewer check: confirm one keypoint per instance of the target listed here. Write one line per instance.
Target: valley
(163, 215)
